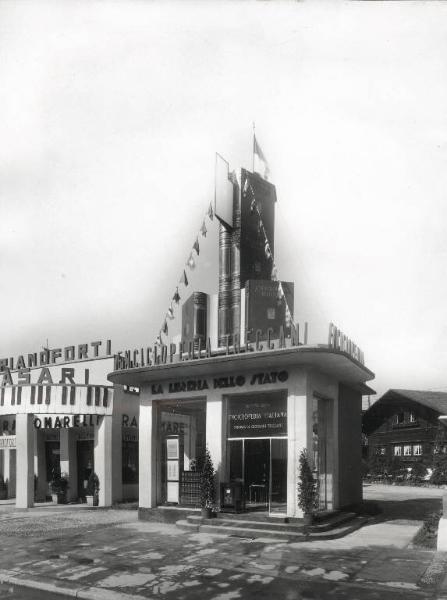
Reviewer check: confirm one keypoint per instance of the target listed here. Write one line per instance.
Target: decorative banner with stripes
(191, 263)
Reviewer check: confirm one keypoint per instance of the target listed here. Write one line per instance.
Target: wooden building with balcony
(405, 425)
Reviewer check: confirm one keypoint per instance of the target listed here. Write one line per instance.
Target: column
(297, 431)
(11, 472)
(117, 459)
(147, 452)
(214, 438)
(68, 461)
(25, 461)
(40, 467)
(103, 459)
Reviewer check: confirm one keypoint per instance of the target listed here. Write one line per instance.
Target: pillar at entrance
(103, 459)
(298, 408)
(214, 437)
(25, 460)
(147, 453)
(40, 469)
(9, 470)
(68, 461)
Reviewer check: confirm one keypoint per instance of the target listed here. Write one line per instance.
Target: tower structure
(245, 259)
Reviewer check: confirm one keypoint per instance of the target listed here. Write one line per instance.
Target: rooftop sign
(339, 341)
(175, 353)
(48, 357)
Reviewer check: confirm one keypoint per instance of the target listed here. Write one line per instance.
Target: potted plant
(207, 487)
(3, 489)
(92, 491)
(59, 487)
(307, 488)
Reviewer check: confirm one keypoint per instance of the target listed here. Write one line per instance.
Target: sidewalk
(108, 554)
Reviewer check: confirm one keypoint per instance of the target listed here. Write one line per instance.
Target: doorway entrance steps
(251, 526)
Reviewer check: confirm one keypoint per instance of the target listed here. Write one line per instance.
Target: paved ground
(108, 554)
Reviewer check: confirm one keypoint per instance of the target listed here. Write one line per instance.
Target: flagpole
(253, 154)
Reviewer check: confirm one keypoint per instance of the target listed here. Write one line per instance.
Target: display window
(182, 448)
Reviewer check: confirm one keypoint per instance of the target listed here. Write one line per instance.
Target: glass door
(85, 465)
(278, 470)
(261, 466)
(256, 474)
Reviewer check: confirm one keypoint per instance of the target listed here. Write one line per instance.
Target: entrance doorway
(85, 465)
(261, 465)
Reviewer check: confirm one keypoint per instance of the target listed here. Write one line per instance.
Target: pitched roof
(387, 404)
(435, 400)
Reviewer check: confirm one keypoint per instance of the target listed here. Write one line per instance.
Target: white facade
(67, 416)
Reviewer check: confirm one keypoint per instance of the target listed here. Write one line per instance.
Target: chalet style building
(405, 425)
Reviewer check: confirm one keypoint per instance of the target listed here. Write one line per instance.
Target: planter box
(91, 500)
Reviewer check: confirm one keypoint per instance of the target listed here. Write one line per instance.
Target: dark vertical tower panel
(254, 264)
(265, 308)
(194, 318)
(236, 266)
(225, 276)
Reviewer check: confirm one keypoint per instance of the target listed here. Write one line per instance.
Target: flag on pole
(176, 296)
(196, 246)
(203, 229)
(165, 327)
(260, 164)
(170, 313)
(210, 212)
(184, 279)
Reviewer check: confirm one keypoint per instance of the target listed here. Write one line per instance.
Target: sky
(111, 114)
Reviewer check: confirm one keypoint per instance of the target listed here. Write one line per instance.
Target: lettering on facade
(169, 353)
(45, 377)
(7, 441)
(257, 417)
(229, 381)
(188, 386)
(272, 377)
(65, 421)
(51, 356)
(339, 341)
(129, 422)
(172, 428)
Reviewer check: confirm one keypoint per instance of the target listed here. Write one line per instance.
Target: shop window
(130, 462)
(407, 450)
(182, 449)
(417, 449)
(397, 450)
(412, 417)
